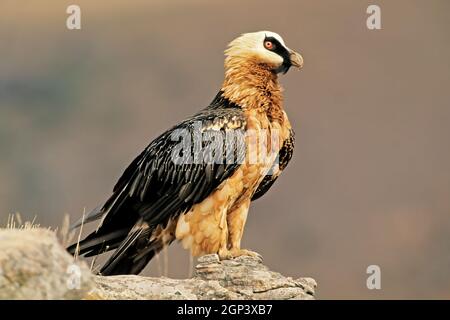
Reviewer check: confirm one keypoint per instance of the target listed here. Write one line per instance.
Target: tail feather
(135, 243)
(95, 241)
(91, 216)
(113, 229)
(127, 265)
(136, 251)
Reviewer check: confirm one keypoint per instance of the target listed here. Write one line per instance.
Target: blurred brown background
(370, 179)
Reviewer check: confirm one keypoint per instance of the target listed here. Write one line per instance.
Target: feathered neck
(252, 85)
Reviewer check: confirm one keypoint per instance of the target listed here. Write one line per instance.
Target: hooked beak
(296, 59)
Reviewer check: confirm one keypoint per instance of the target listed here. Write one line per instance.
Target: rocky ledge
(33, 265)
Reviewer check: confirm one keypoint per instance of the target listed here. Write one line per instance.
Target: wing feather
(284, 156)
(154, 188)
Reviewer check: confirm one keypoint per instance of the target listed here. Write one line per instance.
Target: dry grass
(66, 236)
(15, 222)
(63, 233)
(77, 249)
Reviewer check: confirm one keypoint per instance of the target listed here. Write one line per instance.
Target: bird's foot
(236, 252)
(225, 254)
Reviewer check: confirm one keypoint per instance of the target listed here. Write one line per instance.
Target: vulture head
(263, 48)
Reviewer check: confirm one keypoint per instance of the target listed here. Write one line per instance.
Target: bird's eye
(269, 45)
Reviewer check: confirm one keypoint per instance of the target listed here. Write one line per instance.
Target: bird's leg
(223, 252)
(236, 221)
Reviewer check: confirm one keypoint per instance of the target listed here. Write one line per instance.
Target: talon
(225, 254)
(244, 252)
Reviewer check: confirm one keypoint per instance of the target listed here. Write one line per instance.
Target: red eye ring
(268, 45)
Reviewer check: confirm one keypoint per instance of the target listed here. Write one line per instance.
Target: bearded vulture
(194, 183)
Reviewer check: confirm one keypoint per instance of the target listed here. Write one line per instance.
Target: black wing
(154, 188)
(163, 188)
(284, 156)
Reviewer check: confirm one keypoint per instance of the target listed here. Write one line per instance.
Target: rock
(240, 278)
(33, 265)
